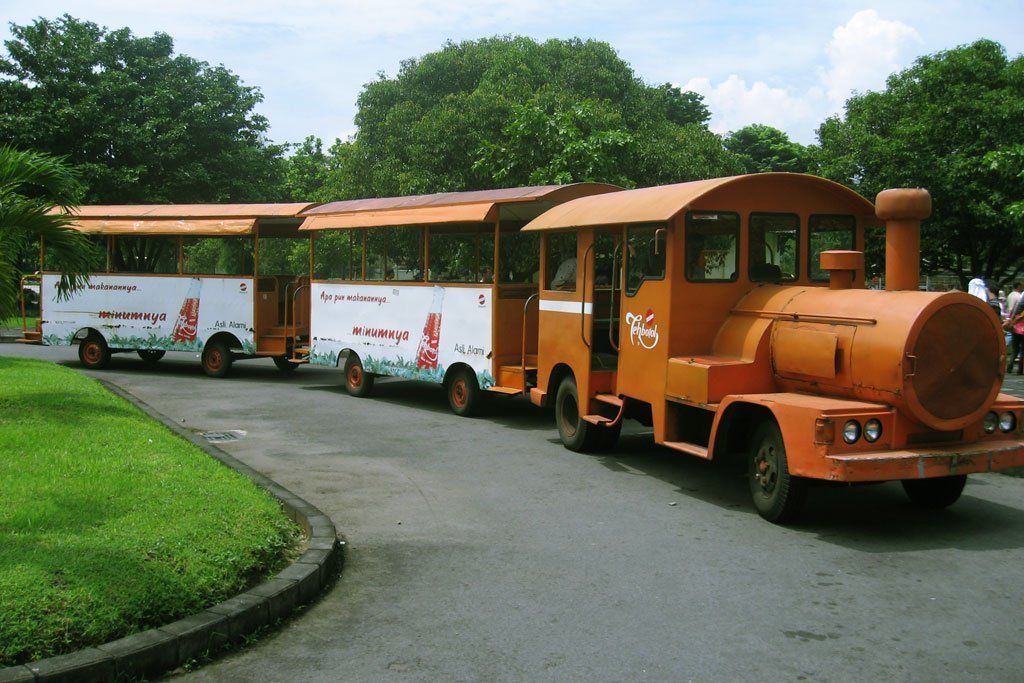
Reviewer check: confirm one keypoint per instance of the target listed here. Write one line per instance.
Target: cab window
(711, 246)
(645, 255)
(774, 247)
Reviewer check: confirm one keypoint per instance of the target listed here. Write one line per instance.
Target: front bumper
(925, 463)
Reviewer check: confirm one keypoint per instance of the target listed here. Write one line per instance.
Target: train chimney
(903, 210)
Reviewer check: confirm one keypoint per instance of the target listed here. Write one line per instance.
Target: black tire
(358, 382)
(93, 352)
(217, 359)
(778, 496)
(576, 433)
(937, 493)
(464, 394)
(285, 365)
(151, 356)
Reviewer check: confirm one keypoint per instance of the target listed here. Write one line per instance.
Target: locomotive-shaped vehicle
(731, 315)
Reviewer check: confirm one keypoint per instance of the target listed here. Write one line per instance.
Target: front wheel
(93, 352)
(937, 493)
(358, 383)
(464, 395)
(216, 359)
(778, 496)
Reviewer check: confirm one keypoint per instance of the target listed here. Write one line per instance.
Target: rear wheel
(937, 493)
(576, 433)
(358, 383)
(93, 352)
(151, 356)
(778, 495)
(216, 359)
(464, 395)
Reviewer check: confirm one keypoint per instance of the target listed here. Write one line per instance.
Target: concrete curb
(152, 653)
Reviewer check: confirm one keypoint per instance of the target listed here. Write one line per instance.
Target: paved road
(481, 550)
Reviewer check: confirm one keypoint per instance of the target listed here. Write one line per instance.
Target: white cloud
(861, 55)
(734, 104)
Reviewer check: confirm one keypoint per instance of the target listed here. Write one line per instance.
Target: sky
(785, 63)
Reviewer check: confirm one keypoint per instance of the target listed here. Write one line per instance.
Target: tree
(509, 111)
(142, 124)
(934, 127)
(763, 148)
(30, 184)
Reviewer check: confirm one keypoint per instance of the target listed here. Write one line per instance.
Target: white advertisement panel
(415, 332)
(151, 312)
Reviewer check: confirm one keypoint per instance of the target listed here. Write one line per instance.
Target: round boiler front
(953, 363)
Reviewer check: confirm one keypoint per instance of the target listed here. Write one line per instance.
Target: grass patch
(111, 524)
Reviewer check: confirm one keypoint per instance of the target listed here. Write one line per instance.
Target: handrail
(295, 324)
(611, 305)
(526, 305)
(583, 298)
(21, 297)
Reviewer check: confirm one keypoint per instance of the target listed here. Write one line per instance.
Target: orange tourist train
(729, 315)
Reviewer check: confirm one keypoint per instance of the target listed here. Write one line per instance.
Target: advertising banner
(415, 332)
(159, 312)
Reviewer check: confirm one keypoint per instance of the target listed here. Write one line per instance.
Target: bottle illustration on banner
(426, 354)
(188, 318)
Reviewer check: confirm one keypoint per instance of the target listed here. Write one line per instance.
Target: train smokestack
(903, 210)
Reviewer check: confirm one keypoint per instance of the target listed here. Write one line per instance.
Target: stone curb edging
(152, 653)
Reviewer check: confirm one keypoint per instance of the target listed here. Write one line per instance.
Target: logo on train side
(642, 329)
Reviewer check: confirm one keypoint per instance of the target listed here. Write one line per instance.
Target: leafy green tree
(935, 126)
(763, 148)
(684, 107)
(141, 123)
(30, 184)
(508, 111)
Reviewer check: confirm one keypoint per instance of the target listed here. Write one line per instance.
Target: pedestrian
(1015, 324)
(1013, 297)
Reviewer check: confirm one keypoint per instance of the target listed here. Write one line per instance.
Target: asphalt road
(481, 550)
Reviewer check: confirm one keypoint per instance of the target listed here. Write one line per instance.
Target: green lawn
(109, 523)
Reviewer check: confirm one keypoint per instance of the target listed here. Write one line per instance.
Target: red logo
(243, 288)
(649, 318)
(482, 300)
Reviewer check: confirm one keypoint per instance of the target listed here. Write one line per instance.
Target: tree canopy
(950, 124)
(142, 124)
(509, 111)
(763, 148)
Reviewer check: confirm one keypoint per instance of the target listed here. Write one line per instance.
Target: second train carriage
(440, 288)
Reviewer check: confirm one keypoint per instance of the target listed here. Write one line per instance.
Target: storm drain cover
(226, 435)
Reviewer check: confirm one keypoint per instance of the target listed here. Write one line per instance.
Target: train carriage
(440, 288)
(223, 281)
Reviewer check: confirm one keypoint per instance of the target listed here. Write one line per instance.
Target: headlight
(851, 431)
(872, 430)
(990, 423)
(1007, 421)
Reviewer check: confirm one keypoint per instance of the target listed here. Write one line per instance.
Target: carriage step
(506, 391)
(686, 447)
(610, 399)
